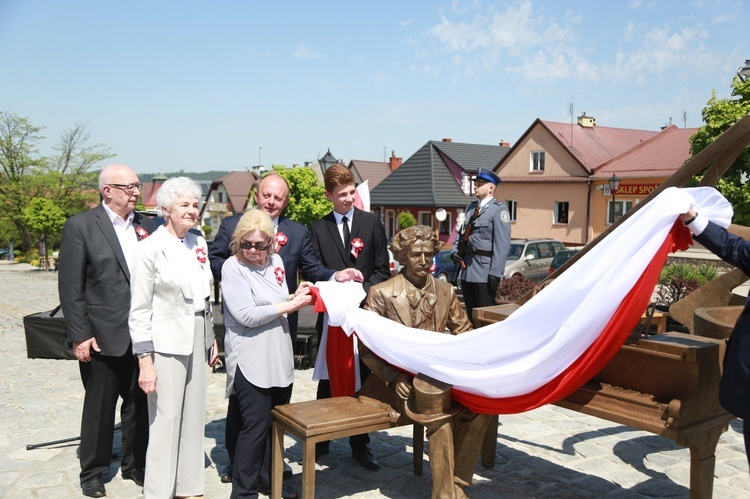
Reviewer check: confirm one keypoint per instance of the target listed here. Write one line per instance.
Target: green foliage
(700, 273)
(719, 115)
(44, 218)
(207, 230)
(406, 220)
(64, 179)
(678, 280)
(307, 201)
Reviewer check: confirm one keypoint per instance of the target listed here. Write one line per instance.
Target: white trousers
(175, 457)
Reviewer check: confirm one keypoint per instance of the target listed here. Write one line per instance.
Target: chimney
(447, 140)
(394, 162)
(504, 144)
(586, 121)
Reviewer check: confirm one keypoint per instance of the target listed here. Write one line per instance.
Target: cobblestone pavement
(548, 452)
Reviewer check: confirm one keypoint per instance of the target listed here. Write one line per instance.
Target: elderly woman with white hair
(170, 326)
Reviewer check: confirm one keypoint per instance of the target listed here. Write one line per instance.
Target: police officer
(482, 244)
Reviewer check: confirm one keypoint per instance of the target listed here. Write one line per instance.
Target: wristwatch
(144, 354)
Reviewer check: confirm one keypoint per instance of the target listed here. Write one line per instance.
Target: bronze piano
(666, 384)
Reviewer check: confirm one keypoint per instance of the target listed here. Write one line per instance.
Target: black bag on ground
(45, 336)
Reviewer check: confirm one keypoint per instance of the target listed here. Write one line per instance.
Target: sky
(225, 85)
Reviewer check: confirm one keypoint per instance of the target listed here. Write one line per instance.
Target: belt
(482, 252)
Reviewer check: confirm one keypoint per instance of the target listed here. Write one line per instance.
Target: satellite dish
(441, 214)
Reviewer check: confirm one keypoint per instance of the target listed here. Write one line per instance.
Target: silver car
(531, 258)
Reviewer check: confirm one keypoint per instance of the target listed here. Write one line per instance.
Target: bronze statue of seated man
(418, 300)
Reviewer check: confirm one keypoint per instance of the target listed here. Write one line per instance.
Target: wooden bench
(327, 419)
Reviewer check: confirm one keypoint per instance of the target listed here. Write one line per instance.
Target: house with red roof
(555, 179)
(228, 195)
(373, 171)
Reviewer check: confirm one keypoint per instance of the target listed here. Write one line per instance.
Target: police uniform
(486, 249)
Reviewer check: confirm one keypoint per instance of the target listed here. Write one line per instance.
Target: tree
(44, 218)
(307, 201)
(72, 185)
(63, 179)
(719, 115)
(406, 220)
(18, 147)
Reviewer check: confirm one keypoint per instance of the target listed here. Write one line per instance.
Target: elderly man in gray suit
(96, 253)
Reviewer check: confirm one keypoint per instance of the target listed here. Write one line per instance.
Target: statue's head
(414, 248)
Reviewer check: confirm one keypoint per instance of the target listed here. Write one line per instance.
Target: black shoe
(226, 475)
(93, 487)
(137, 475)
(366, 459)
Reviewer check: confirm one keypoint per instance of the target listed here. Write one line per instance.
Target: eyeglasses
(128, 187)
(258, 246)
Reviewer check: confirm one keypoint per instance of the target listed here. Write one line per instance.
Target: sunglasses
(258, 246)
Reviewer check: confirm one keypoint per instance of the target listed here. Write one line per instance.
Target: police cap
(487, 175)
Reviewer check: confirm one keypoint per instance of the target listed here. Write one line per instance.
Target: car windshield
(515, 252)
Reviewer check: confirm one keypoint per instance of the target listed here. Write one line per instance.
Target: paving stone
(547, 452)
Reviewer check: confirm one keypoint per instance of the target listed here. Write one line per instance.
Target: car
(4, 254)
(531, 257)
(560, 258)
(444, 268)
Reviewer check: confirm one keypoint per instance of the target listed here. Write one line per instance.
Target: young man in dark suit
(349, 237)
(292, 243)
(96, 253)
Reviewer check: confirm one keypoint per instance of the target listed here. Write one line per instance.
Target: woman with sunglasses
(258, 347)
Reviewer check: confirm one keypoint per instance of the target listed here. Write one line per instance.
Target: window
(390, 223)
(466, 183)
(617, 209)
(445, 226)
(561, 212)
(512, 206)
(425, 218)
(220, 195)
(537, 161)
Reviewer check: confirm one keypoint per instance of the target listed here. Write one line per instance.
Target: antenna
(571, 112)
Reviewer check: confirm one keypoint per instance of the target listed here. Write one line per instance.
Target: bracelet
(690, 220)
(144, 355)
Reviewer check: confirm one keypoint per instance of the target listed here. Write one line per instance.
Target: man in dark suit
(97, 250)
(734, 387)
(348, 237)
(292, 243)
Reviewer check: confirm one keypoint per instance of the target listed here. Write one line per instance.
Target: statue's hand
(402, 385)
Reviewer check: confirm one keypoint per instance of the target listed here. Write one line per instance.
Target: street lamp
(744, 71)
(614, 184)
(327, 161)
(259, 162)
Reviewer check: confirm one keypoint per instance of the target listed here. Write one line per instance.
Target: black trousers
(106, 379)
(477, 295)
(232, 427)
(251, 468)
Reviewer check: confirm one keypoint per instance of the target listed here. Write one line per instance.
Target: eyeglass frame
(247, 245)
(128, 187)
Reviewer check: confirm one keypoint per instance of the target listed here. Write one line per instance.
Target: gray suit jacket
(94, 281)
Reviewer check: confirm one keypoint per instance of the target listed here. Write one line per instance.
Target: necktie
(347, 234)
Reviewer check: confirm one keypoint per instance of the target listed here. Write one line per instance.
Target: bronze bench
(327, 419)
